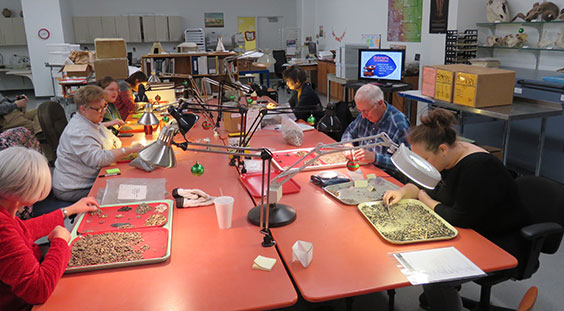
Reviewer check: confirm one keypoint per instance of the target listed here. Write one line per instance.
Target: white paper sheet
(436, 265)
(132, 192)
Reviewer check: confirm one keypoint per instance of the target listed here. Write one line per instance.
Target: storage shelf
(523, 23)
(519, 48)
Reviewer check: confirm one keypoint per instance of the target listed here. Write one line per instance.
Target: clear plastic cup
(224, 211)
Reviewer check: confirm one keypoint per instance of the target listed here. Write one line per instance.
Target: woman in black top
(476, 191)
(304, 101)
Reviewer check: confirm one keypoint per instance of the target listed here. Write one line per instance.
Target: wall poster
(438, 20)
(404, 20)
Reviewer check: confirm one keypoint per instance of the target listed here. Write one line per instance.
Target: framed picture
(213, 20)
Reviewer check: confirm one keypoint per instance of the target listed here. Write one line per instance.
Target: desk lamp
(148, 119)
(160, 153)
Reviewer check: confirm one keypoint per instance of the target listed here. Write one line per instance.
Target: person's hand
(87, 204)
(22, 102)
(134, 148)
(59, 232)
(364, 156)
(348, 153)
(424, 197)
(392, 196)
(118, 122)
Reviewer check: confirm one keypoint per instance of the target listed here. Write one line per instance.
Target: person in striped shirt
(376, 116)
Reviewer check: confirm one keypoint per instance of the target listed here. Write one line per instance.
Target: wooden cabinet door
(161, 28)
(122, 27)
(134, 23)
(149, 29)
(322, 77)
(108, 27)
(175, 31)
(80, 26)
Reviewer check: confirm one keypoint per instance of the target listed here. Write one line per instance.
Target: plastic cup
(224, 211)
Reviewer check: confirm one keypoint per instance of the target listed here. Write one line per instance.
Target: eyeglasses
(98, 110)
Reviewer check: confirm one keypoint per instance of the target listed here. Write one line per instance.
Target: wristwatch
(65, 213)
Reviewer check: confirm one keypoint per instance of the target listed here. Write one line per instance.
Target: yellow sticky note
(371, 176)
(363, 183)
(263, 263)
(370, 188)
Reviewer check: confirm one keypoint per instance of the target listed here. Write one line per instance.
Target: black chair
(53, 121)
(544, 200)
(280, 58)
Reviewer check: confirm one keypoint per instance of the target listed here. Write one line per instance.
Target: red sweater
(23, 279)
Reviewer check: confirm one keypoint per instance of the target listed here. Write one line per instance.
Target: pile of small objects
(107, 248)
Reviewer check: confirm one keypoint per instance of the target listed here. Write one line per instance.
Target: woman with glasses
(85, 146)
(112, 118)
(304, 101)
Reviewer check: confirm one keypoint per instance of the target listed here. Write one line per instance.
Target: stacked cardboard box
(111, 58)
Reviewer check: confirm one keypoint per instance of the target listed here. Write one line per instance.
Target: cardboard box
(82, 70)
(110, 48)
(116, 68)
(428, 81)
(484, 87)
(444, 80)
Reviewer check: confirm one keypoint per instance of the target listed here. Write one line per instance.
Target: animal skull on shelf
(547, 10)
(497, 11)
(494, 41)
(515, 40)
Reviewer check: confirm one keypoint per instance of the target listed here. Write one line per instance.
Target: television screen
(381, 64)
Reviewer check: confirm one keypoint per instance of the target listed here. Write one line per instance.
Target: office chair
(280, 60)
(53, 121)
(544, 200)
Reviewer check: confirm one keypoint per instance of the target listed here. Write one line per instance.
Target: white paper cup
(224, 211)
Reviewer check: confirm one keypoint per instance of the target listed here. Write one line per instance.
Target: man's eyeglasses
(98, 110)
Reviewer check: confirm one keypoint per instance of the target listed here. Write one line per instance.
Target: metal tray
(346, 193)
(167, 226)
(284, 158)
(409, 221)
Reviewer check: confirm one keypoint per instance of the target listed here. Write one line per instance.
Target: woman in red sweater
(125, 102)
(24, 279)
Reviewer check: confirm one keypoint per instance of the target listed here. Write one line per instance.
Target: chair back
(280, 58)
(53, 121)
(543, 199)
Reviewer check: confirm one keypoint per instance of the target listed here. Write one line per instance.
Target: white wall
(66, 19)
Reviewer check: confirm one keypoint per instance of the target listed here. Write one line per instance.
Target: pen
(107, 175)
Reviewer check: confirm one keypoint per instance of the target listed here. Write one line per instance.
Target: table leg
(268, 79)
(540, 146)
(346, 89)
(505, 143)
(328, 91)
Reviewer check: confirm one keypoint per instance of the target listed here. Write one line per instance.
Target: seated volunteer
(13, 114)
(85, 146)
(375, 117)
(304, 101)
(24, 278)
(112, 118)
(125, 102)
(476, 192)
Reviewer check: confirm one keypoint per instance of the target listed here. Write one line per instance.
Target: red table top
(209, 268)
(349, 256)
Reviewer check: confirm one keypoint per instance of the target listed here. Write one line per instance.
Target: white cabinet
(134, 29)
(175, 29)
(12, 31)
(81, 33)
(122, 28)
(109, 27)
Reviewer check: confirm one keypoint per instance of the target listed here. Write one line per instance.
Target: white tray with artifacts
(285, 158)
(360, 191)
(121, 235)
(408, 221)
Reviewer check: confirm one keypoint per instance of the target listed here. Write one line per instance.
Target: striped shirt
(393, 122)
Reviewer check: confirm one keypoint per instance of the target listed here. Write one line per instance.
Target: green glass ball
(197, 169)
(311, 120)
(521, 30)
(353, 165)
(165, 119)
(206, 125)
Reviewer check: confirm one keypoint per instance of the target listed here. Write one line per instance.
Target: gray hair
(24, 175)
(369, 93)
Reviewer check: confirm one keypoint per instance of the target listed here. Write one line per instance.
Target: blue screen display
(386, 65)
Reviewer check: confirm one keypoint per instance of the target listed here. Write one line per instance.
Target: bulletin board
(247, 26)
(404, 20)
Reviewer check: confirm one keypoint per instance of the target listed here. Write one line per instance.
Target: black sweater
(479, 193)
(308, 103)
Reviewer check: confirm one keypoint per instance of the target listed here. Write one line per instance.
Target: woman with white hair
(24, 278)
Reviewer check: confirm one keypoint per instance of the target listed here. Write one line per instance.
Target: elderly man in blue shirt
(376, 116)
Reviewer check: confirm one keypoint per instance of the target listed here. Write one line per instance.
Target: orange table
(209, 268)
(349, 257)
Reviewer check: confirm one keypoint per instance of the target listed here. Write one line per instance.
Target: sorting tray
(346, 192)
(158, 238)
(111, 215)
(408, 221)
(253, 183)
(285, 158)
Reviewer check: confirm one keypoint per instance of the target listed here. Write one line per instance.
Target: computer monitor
(312, 48)
(381, 65)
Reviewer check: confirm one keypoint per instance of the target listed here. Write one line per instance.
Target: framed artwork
(213, 20)
(438, 20)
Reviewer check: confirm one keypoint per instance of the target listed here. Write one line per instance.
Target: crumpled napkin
(302, 251)
(191, 197)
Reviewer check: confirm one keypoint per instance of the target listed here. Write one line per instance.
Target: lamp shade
(415, 167)
(160, 152)
(329, 123)
(148, 117)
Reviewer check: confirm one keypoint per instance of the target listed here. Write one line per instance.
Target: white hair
(369, 93)
(24, 175)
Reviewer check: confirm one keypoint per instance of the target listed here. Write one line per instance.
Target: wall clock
(44, 33)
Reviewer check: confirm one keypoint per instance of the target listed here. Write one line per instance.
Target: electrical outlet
(417, 56)
(134, 50)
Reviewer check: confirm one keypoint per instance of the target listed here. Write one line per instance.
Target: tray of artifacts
(122, 216)
(135, 128)
(118, 248)
(360, 191)
(285, 158)
(408, 221)
(143, 242)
